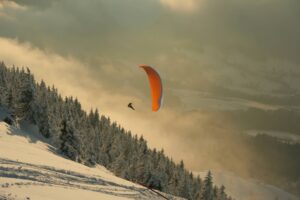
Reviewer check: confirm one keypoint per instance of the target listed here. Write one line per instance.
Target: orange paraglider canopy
(155, 85)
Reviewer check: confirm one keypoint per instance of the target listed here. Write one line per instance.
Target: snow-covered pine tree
(207, 193)
(197, 186)
(42, 109)
(4, 91)
(25, 97)
(215, 193)
(222, 194)
(69, 141)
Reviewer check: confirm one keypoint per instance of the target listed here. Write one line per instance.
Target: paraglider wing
(155, 85)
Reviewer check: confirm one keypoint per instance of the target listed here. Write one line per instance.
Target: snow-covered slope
(248, 189)
(30, 169)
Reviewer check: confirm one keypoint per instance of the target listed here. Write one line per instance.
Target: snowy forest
(90, 138)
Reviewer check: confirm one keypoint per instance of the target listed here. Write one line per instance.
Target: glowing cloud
(181, 5)
(5, 4)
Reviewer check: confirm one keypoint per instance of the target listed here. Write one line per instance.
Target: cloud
(9, 8)
(54, 69)
(181, 5)
(236, 42)
(6, 4)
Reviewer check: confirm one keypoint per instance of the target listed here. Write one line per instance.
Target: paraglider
(130, 106)
(155, 85)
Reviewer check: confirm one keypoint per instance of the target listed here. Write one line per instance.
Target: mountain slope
(30, 168)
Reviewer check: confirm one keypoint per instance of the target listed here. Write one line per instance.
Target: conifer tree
(207, 193)
(25, 97)
(222, 194)
(68, 141)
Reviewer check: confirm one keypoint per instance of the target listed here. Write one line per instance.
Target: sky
(212, 55)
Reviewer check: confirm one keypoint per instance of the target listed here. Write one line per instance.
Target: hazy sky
(211, 54)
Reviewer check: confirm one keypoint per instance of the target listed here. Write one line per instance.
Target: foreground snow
(30, 169)
(248, 189)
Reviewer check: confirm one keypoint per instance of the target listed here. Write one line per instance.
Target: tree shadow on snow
(31, 133)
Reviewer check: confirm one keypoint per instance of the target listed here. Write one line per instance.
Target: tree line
(91, 138)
